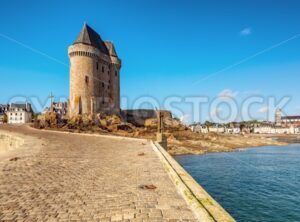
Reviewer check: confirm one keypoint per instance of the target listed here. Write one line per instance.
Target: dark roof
(4, 106)
(290, 117)
(111, 48)
(20, 106)
(23, 106)
(90, 37)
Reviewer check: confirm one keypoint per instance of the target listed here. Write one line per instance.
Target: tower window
(102, 68)
(103, 85)
(116, 73)
(97, 65)
(86, 79)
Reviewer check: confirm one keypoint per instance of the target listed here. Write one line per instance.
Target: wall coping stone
(205, 208)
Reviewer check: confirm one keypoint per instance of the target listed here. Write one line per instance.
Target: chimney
(28, 107)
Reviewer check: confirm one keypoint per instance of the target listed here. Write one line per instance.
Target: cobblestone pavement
(80, 178)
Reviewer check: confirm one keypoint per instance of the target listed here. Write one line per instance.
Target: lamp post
(160, 137)
(51, 102)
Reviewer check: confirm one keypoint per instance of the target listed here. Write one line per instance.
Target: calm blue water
(253, 185)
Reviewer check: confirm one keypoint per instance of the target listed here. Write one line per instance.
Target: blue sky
(168, 48)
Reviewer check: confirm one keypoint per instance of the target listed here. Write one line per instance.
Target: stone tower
(94, 75)
(278, 115)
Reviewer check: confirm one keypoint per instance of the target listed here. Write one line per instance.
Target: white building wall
(217, 129)
(19, 117)
(234, 130)
(199, 129)
(271, 130)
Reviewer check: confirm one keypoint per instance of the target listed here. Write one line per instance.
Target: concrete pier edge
(205, 208)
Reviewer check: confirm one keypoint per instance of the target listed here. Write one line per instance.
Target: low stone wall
(139, 116)
(203, 205)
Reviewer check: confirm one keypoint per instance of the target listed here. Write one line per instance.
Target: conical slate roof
(90, 37)
(111, 48)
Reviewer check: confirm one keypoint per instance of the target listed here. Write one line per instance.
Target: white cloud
(186, 118)
(263, 109)
(246, 31)
(228, 94)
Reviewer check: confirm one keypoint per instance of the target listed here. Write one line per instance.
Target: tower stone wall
(94, 75)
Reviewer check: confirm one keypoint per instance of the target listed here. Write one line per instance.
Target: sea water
(253, 185)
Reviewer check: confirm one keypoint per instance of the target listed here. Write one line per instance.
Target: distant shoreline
(241, 149)
(217, 143)
(288, 138)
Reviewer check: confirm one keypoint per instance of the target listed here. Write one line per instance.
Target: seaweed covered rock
(151, 122)
(81, 122)
(126, 127)
(109, 122)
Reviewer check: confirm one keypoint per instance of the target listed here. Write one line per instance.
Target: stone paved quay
(65, 177)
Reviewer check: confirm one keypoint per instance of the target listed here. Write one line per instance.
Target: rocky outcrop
(142, 117)
(188, 142)
(181, 140)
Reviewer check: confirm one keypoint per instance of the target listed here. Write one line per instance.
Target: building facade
(60, 108)
(3, 111)
(286, 121)
(276, 130)
(94, 75)
(19, 113)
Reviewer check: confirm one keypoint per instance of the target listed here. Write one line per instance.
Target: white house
(264, 130)
(19, 113)
(216, 129)
(233, 130)
(199, 128)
